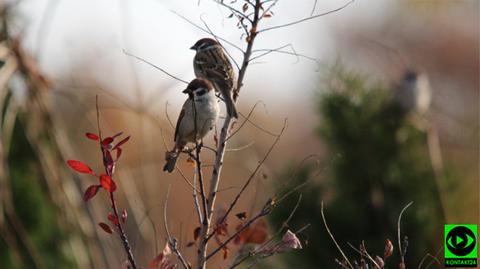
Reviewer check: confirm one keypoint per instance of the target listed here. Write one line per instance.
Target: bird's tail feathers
(171, 159)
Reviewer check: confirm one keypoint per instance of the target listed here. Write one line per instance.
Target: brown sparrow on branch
(211, 62)
(201, 105)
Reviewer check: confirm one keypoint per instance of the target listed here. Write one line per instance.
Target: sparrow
(202, 105)
(413, 93)
(211, 62)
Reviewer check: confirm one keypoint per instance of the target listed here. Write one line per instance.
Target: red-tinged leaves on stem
(108, 183)
(112, 218)
(91, 192)
(92, 136)
(80, 167)
(196, 233)
(123, 141)
(124, 216)
(245, 7)
(105, 227)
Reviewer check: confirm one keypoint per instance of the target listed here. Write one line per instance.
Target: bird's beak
(193, 48)
(187, 91)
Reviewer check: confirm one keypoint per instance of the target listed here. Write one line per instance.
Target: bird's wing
(179, 120)
(216, 67)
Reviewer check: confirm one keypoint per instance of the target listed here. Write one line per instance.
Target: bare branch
(206, 31)
(402, 255)
(433, 259)
(252, 175)
(195, 200)
(235, 11)
(247, 119)
(155, 66)
(313, 8)
(364, 253)
(280, 51)
(172, 242)
(306, 19)
(267, 208)
(168, 116)
(242, 147)
(333, 238)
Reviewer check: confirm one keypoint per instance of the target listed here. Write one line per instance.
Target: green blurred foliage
(34, 208)
(379, 163)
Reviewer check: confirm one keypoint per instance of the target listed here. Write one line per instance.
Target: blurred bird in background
(413, 93)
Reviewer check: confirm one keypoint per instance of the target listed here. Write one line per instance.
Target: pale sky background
(93, 33)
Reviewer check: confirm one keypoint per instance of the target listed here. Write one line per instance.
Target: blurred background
(332, 82)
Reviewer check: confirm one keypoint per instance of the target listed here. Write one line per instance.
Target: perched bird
(202, 105)
(413, 93)
(211, 62)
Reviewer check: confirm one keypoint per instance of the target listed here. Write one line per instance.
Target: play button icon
(460, 241)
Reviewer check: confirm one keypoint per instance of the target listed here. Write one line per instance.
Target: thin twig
(202, 29)
(241, 148)
(267, 208)
(313, 8)
(172, 242)
(195, 200)
(332, 237)
(247, 118)
(364, 253)
(402, 255)
(306, 19)
(155, 66)
(252, 175)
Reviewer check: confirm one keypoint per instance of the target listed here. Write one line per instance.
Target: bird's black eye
(200, 92)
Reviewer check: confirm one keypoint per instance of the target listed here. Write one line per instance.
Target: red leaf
(80, 167)
(107, 141)
(90, 192)
(117, 135)
(92, 136)
(124, 215)
(245, 7)
(112, 218)
(157, 260)
(105, 227)
(119, 153)
(123, 141)
(257, 233)
(108, 183)
(196, 233)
